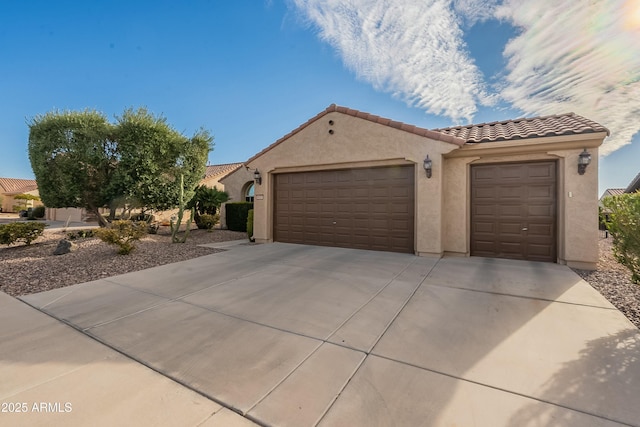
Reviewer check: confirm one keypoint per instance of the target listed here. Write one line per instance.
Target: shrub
(122, 233)
(237, 214)
(79, 234)
(38, 212)
(20, 231)
(250, 224)
(624, 226)
(206, 221)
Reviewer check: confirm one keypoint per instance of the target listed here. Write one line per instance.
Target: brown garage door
(513, 211)
(368, 208)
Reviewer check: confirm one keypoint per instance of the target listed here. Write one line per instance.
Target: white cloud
(576, 56)
(475, 10)
(410, 48)
(567, 55)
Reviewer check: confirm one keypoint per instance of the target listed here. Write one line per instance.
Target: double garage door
(513, 211)
(365, 208)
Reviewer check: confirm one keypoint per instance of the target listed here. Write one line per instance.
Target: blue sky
(251, 71)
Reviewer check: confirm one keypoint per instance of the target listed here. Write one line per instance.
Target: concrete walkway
(294, 335)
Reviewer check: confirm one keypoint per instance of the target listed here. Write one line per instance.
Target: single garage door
(513, 211)
(367, 208)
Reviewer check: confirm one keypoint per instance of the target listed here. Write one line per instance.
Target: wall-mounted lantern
(428, 166)
(257, 177)
(583, 161)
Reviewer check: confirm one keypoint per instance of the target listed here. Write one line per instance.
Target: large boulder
(64, 247)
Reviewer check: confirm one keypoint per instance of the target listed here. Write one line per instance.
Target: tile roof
(215, 170)
(439, 136)
(535, 127)
(17, 186)
(614, 191)
(634, 185)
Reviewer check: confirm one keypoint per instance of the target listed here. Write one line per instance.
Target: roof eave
(431, 134)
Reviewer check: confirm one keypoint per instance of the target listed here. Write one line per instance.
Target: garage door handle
(334, 223)
(525, 229)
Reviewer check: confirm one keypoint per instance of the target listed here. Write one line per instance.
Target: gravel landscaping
(30, 269)
(613, 281)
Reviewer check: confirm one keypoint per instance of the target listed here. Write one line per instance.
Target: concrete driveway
(294, 335)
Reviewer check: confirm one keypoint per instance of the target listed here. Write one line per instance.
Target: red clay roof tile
(215, 170)
(17, 186)
(535, 127)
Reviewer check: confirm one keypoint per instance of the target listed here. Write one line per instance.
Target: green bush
(237, 214)
(26, 232)
(79, 234)
(122, 233)
(624, 226)
(250, 225)
(206, 221)
(38, 212)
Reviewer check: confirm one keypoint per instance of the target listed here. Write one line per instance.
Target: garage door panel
(545, 172)
(373, 208)
(514, 210)
(544, 211)
(510, 173)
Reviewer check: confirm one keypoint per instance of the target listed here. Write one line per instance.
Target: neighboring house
(214, 174)
(11, 187)
(508, 189)
(610, 192)
(634, 185)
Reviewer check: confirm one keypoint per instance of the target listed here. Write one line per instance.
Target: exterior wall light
(257, 177)
(428, 166)
(583, 161)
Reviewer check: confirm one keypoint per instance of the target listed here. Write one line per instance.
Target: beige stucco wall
(235, 184)
(65, 214)
(9, 201)
(356, 143)
(577, 194)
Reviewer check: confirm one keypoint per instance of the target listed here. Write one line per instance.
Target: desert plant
(624, 225)
(39, 212)
(20, 231)
(236, 215)
(176, 227)
(79, 234)
(206, 221)
(25, 200)
(207, 200)
(250, 225)
(122, 233)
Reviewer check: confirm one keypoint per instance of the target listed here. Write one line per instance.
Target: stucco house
(11, 187)
(521, 189)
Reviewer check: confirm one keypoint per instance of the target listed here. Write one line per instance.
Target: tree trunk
(101, 220)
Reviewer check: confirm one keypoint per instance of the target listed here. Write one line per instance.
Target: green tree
(81, 160)
(25, 198)
(207, 200)
(152, 157)
(624, 226)
(73, 157)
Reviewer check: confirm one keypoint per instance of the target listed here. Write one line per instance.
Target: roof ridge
(504, 122)
(428, 133)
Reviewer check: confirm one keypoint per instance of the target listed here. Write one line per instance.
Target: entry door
(514, 211)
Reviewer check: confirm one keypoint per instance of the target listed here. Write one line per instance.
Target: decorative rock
(64, 247)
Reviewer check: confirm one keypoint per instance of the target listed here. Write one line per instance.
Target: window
(248, 192)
